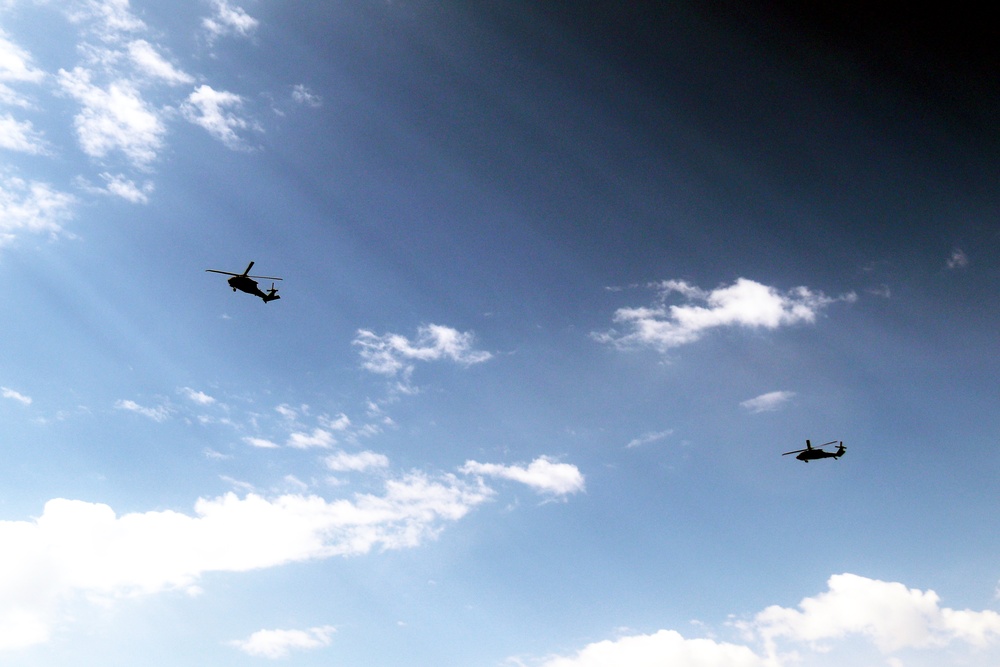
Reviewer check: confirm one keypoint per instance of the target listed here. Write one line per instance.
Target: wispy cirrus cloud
(746, 303)
(649, 437)
(772, 400)
(13, 395)
(276, 644)
(391, 354)
(544, 475)
(227, 19)
(159, 413)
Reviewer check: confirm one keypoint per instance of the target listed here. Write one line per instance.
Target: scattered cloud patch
(345, 462)
(261, 443)
(768, 402)
(302, 95)
(318, 438)
(543, 475)
(650, 437)
(276, 644)
(157, 414)
(113, 118)
(207, 108)
(957, 260)
(392, 354)
(20, 136)
(15, 396)
(31, 206)
(199, 397)
(745, 303)
(229, 20)
(148, 60)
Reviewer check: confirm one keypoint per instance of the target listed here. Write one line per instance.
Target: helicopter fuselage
(249, 285)
(810, 454)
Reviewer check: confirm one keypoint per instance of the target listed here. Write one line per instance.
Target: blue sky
(560, 287)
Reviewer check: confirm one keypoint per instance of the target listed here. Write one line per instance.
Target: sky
(561, 284)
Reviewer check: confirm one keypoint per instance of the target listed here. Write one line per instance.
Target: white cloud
(745, 303)
(20, 136)
(891, 615)
(886, 616)
(318, 438)
(647, 438)
(280, 643)
(228, 20)
(15, 63)
(389, 354)
(78, 548)
(15, 396)
(344, 462)
(31, 206)
(206, 107)
(261, 443)
(199, 397)
(958, 259)
(543, 475)
(145, 56)
(302, 95)
(662, 648)
(111, 19)
(157, 414)
(768, 402)
(113, 118)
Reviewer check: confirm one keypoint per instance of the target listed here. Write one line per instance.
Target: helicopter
(244, 282)
(811, 452)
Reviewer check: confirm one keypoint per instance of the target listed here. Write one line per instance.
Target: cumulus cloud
(207, 108)
(886, 616)
(745, 303)
(891, 615)
(81, 548)
(280, 643)
(773, 400)
(31, 206)
(543, 475)
(318, 438)
(665, 647)
(15, 396)
(391, 354)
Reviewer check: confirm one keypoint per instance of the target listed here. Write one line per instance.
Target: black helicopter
(810, 452)
(244, 282)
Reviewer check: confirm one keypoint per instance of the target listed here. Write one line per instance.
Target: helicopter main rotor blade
(225, 273)
(832, 442)
(263, 277)
(795, 452)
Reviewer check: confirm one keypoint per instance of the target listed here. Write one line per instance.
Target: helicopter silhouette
(811, 452)
(244, 282)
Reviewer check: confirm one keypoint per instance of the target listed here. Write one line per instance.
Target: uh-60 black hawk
(244, 282)
(810, 452)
